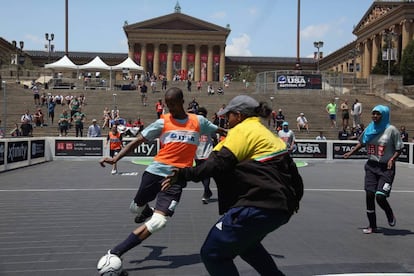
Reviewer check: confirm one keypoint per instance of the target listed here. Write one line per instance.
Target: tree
(381, 67)
(245, 72)
(407, 64)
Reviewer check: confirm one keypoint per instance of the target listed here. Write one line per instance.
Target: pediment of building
(377, 11)
(174, 22)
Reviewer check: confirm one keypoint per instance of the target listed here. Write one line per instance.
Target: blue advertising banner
(405, 154)
(17, 151)
(37, 149)
(299, 81)
(310, 150)
(2, 151)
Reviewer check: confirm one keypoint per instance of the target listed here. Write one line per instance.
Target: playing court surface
(60, 217)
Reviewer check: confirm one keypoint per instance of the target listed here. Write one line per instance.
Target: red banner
(190, 58)
(163, 57)
(150, 56)
(137, 57)
(204, 58)
(216, 58)
(177, 57)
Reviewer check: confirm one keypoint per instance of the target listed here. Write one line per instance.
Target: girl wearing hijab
(383, 143)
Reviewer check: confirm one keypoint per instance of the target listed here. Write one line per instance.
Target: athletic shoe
(146, 213)
(370, 230)
(392, 222)
(114, 172)
(206, 197)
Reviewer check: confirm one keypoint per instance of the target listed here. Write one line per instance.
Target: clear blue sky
(258, 27)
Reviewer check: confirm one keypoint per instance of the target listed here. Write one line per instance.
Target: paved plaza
(60, 217)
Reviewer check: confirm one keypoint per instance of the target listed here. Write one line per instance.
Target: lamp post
(388, 37)
(114, 99)
(298, 66)
(3, 85)
(49, 47)
(353, 54)
(318, 45)
(19, 59)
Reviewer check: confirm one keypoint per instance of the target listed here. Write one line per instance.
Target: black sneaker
(146, 213)
(370, 230)
(206, 197)
(392, 222)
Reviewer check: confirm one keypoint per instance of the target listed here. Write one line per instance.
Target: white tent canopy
(96, 63)
(63, 63)
(128, 64)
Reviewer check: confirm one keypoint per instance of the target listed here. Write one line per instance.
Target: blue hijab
(373, 129)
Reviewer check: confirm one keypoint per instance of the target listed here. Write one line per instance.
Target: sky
(266, 28)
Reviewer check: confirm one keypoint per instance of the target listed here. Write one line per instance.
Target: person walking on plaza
(179, 135)
(159, 108)
(356, 112)
(114, 140)
(79, 118)
(94, 130)
(259, 189)
(331, 110)
(345, 113)
(280, 118)
(288, 136)
(143, 90)
(204, 149)
(404, 134)
(64, 120)
(51, 104)
(383, 143)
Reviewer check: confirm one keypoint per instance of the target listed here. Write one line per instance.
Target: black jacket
(273, 184)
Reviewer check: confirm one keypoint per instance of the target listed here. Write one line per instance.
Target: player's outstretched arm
(356, 148)
(170, 180)
(125, 150)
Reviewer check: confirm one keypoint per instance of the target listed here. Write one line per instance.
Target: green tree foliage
(245, 72)
(407, 64)
(381, 68)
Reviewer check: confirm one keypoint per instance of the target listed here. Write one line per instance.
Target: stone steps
(311, 102)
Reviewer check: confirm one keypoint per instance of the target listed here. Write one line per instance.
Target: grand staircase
(310, 102)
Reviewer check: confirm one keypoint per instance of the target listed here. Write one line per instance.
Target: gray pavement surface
(60, 217)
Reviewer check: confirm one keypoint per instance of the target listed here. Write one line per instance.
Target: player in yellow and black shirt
(259, 188)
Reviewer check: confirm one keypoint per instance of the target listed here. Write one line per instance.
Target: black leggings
(382, 202)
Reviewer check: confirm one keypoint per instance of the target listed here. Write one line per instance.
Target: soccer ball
(109, 265)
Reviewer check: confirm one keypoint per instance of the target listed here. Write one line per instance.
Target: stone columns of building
(170, 62)
(197, 61)
(131, 51)
(375, 50)
(184, 65)
(406, 32)
(366, 62)
(358, 60)
(156, 59)
(210, 63)
(222, 62)
(144, 56)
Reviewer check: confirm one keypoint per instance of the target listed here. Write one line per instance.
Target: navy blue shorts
(112, 153)
(332, 116)
(379, 179)
(150, 189)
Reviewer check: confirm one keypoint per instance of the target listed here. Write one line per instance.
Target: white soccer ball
(109, 265)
